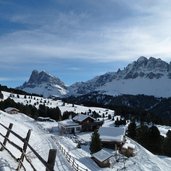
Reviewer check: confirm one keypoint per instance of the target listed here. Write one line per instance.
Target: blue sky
(79, 39)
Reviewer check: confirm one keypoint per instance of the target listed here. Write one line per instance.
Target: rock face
(144, 76)
(145, 68)
(44, 84)
(42, 77)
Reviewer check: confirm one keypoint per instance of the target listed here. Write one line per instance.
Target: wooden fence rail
(49, 165)
(72, 160)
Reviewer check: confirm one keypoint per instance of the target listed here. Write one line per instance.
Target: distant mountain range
(148, 76)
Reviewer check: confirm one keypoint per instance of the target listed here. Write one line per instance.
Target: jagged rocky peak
(34, 76)
(157, 65)
(151, 64)
(142, 59)
(144, 67)
(44, 84)
(43, 77)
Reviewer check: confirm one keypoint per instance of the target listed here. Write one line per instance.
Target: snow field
(57, 103)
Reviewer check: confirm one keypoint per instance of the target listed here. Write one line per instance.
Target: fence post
(73, 162)
(24, 149)
(51, 160)
(77, 167)
(7, 135)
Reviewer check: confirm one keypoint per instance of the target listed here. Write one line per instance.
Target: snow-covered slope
(36, 101)
(42, 140)
(155, 87)
(44, 84)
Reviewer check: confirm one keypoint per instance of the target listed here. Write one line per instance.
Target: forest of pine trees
(32, 111)
(150, 138)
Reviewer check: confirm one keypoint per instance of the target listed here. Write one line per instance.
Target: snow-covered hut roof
(9, 109)
(68, 122)
(112, 133)
(102, 155)
(81, 117)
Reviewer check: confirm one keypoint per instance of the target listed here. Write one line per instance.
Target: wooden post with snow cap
(7, 136)
(51, 160)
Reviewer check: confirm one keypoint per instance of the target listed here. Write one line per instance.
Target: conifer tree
(166, 144)
(154, 140)
(132, 130)
(1, 95)
(95, 144)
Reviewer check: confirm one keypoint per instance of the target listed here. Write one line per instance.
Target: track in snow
(61, 164)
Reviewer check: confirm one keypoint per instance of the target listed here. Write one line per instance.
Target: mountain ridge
(143, 76)
(141, 71)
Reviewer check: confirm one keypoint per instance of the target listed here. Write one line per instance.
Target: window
(77, 128)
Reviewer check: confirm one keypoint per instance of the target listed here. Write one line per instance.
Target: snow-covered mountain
(145, 76)
(44, 84)
(148, 76)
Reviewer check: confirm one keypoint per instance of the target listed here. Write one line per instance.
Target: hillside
(42, 141)
(36, 101)
(140, 106)
(45, 135)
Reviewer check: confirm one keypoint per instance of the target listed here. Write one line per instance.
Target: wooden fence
(72, 160)
(49, 165)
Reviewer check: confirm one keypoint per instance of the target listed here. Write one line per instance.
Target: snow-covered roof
(112, 133)
(68, 122)
(9, 109)
(81, 117)
(128, 144)
(102, 155)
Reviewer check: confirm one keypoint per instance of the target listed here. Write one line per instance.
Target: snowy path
(61, 163)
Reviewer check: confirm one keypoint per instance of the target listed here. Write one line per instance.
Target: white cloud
(74, 69)
(12, 78)
(72, 35)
